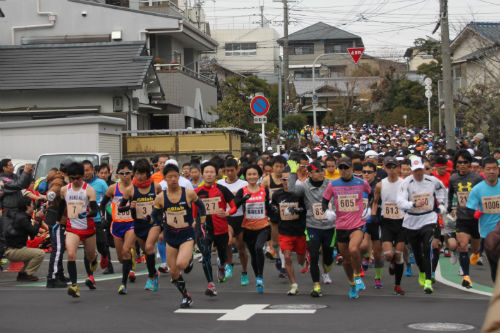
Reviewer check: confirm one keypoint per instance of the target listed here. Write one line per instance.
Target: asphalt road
(29, 307)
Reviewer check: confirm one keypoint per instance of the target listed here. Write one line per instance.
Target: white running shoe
(326, 278)
(453, 257)
(460, 271)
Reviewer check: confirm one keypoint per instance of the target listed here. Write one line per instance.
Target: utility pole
(449, 115)
(198, 13)
(262, 16)
(285, 50)
(280, 103)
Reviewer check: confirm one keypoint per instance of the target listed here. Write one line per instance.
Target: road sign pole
(429, 109)
(263, 138)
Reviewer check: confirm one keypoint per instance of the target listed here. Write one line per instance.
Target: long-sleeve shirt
(12, 189)
(411, 190)
(16, 232)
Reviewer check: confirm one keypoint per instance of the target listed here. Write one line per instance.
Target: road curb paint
(446, 277)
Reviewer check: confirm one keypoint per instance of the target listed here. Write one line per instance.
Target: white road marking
(442, 280)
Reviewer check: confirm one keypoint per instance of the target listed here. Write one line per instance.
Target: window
(240, 49)
(301, 49)
(305, 73)
(336, 71)
(458, 71)
(337, 47)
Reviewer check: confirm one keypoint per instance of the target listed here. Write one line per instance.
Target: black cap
(390, 160)
(345, 161)
(65, 164)
(315, 166)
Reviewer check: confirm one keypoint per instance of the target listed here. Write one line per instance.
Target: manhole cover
(441, 327)
(298, 306)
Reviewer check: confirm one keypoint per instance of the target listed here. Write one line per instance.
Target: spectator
(16, 236)
(481, 145)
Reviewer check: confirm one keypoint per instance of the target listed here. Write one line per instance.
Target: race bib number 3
(144, 209)
(318, 212)
(211, 205)
(176, 219)
(255, 210)
(74, 208)
(491, 205)
(347, 203)
(462, 198)
(426, 197)
(391, 211)
(285, 215)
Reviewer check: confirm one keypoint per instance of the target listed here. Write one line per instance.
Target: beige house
(476, 54)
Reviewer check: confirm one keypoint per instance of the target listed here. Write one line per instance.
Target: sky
(387, 27)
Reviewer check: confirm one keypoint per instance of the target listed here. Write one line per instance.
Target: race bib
(427, 201)
(126, 215)
(74, 208)
(318, 212)
(144, 209)
(176, 219)
(211, 205)
(347, 203)
(391, 211)
(462, 198)
(255, 210)
(491, 205)
(285, 215)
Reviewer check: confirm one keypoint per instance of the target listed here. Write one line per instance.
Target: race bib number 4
(255, 210)
(426, 197)
(347, 203)
(74, 208)
(491, 205)
(144, 209)
(176, 219)
(462, 198)
(318, 212)
(211, 205)
(284, 212)
(391, 211)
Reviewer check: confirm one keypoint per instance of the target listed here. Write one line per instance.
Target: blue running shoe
(353, 292)
(334, 253)
(409, 270)
(149, 285)
(359, 284)
(412, 258)
(229, 271)
(260, 285)
(156, 283)
(244, 279)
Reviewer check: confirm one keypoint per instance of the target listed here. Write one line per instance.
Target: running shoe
(364, 263)
(460, 271)
(189, 268)
(156, 282)
(316, 292)
(228, 271)
(108, 270)
(306, 265)
(474, 258)
(412, 257)
(132, 257)
(104, 261)
(421, 278)
(163, 268)
(270, 254)
(131, 276)
(392, 267)
(398, 291)
(453, 258)
(282, 273)
(353, 292)
(466, 282)
(409, 270)
(326, 278)
(93, 265)
(378, 284)
(277, 264)
(73, 291)
(339, 259)
(361, 272)
(186, 302)
(221, 274)
(447, 253)
(428, 287)
(244, 279)
(90, 282)
(260, 285)
(143, 259)
(360, 285)
(122, 290)
(149, 285)
(293, 290)
(480, 261)
(211, 291)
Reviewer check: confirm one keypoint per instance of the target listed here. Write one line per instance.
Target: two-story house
(172, 94)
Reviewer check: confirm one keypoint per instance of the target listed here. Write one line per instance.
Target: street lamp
(314, 89)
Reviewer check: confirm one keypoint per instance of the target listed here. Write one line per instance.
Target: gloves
(294, 166)
(82, 215)
(478, 214)
(442, 209)
(246, 197)
(330, 216)
(51, 196)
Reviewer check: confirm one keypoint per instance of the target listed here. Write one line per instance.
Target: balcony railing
(176, 68)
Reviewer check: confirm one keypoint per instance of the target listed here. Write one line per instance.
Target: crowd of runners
(356, 196)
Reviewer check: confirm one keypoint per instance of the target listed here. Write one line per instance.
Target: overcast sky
(387, 27)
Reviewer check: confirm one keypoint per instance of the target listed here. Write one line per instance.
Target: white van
(49, 161)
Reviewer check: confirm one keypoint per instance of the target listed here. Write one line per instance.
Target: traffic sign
(259, 105)
(315, 100)
(259, 119)
(428, 81)
(356, 53)
(428, 93)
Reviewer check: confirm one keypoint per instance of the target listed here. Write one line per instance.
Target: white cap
(416, 163)
(172, 162)
(321, 153)
(371, 153)
(275, 154)
(471, 152)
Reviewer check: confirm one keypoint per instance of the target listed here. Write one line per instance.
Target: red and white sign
(356, 53)
(259, 105)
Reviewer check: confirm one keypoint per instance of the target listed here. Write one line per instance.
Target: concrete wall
(99, 20)
(264, 61)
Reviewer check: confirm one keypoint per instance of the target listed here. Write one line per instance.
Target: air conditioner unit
(117, 104)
